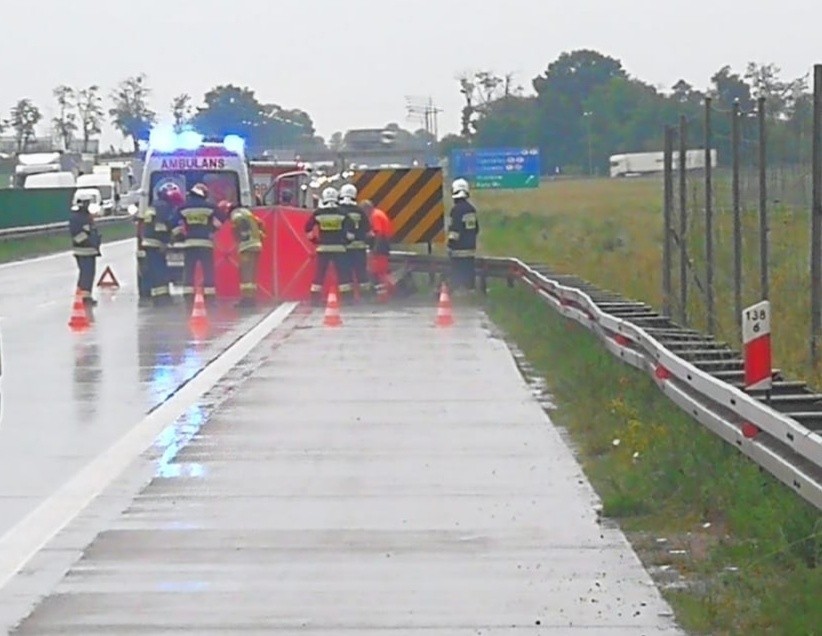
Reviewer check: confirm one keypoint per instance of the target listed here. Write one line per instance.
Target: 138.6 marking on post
(756, 340)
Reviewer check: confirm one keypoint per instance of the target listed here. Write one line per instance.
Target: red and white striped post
(756, 341)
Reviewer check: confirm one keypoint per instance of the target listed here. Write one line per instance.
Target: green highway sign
(505, 181)
(497, 168)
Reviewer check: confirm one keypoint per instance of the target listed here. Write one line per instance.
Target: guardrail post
(431, 273)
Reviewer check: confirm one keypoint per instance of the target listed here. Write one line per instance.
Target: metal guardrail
(52, 228)
(781, 431)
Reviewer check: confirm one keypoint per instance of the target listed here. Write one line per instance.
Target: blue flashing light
(189, 140)
(234, 143)
(163, 139)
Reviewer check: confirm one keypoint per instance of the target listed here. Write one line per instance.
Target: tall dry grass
(610, 232)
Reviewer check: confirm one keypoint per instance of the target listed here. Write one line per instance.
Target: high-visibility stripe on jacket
(156, 226)
(360, 226)
(85, 240)
(197, 221)
(463, 229)
(334, 229)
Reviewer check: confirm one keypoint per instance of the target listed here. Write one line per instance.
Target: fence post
(763, 203)
(683, 221)
(709, 220)
(667, 214)
(737, 212)
(816, 215)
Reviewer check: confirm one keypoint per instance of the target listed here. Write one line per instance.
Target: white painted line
(32, 534)
(51, 257)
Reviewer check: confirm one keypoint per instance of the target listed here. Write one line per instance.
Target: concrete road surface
(384, 478)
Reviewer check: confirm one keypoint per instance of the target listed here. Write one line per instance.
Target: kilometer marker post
(756, 342)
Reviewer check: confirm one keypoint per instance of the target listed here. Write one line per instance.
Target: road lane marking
(22, 542)
(50, 257)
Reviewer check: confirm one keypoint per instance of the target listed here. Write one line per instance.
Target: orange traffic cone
(199, 319)
(332, 311)
(444, 316)
(79, 318)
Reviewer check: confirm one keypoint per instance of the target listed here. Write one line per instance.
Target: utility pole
(424, 111)
(709, 219)
(587, 115)
(816, 215)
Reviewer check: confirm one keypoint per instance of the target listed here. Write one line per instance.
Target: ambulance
(186, 159)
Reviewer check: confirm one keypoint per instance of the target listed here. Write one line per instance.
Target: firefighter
(331, 229)
(85, 241)
(463, 229)
(249, 234)
(379, 238)
(196, 222)
(157, 222)
(357, 248)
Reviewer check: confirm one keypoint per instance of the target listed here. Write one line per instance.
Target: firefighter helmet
(200, 190)
(348, 194)
(330, 197)
(172, 193)
(459, 189)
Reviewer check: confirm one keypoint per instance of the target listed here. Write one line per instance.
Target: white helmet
(348, 194)
(329, 198)
(459, 189)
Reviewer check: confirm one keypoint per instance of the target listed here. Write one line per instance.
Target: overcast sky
(351, 63)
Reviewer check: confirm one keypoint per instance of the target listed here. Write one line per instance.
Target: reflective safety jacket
(196, 223)
(157, 224)
(334, 229)
(382, 230)
(247, 230)
(463, 229)
(85, 239)
(360, 226)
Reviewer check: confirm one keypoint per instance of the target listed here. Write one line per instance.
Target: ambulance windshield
(222, 185)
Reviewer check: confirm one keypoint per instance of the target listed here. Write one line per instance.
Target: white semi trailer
(638, 163)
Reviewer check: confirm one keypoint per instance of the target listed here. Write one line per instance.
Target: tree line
(227, 109)
(586, 107)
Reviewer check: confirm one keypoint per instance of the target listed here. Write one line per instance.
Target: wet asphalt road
(68, 396)
(411, 486)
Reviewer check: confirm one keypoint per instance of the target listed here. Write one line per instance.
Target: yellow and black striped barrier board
(411, 197)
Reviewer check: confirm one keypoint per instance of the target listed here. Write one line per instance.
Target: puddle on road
(172, 440)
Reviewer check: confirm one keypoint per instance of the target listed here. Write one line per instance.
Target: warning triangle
(111, 283)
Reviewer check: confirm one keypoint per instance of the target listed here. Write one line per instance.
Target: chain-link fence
(751, 238)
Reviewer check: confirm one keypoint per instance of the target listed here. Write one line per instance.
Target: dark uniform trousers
(87, 269)
(463, 271)
(143, 278)
(204, 256)
(157, 271)
(342, 267)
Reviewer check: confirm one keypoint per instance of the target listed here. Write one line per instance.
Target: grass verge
(28, 247)
(733, 550)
